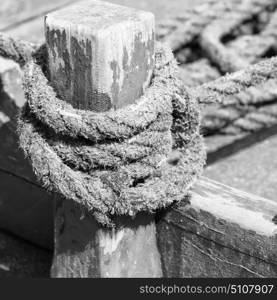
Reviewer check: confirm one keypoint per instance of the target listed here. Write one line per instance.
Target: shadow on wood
(86, 249)
(219, 232)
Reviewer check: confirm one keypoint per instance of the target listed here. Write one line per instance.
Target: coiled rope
(219, 37)
(139, 158)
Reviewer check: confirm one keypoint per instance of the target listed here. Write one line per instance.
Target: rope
(145, 156)
(211, 38)
(228, 36)
(180, 31)
(222, 88)
(239, 119)
(17, 50)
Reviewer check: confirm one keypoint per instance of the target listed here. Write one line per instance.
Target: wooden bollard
(101, 57)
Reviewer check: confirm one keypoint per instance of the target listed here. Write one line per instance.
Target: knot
(142, 157)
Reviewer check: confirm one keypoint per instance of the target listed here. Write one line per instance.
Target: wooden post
(101, 57)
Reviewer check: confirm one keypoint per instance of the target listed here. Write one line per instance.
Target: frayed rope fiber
(139, 158)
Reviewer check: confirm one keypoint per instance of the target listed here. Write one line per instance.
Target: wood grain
(219, 232)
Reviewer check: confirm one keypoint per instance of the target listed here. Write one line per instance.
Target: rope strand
(222, 88)
(140, 158)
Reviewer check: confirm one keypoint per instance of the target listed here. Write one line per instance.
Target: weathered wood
(10, 77)
(25, 208)
(219, 232)
(101, 57)
(252, 167)
(104, 59)
(33, 30)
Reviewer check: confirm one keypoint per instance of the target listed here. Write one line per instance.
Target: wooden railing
(217, 232)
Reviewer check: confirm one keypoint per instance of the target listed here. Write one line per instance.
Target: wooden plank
(15, 12)
(219, 232)
(105, 46)
(162, 9)
(20, 259)
(11, 159)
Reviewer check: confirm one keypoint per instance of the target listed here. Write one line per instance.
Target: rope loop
(145, 156)
(139, 158)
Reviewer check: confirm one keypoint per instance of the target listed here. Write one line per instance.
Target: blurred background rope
(140, 158)
(219, 37)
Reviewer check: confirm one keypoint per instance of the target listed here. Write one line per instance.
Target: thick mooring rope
(139, 158)
(219, 37)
